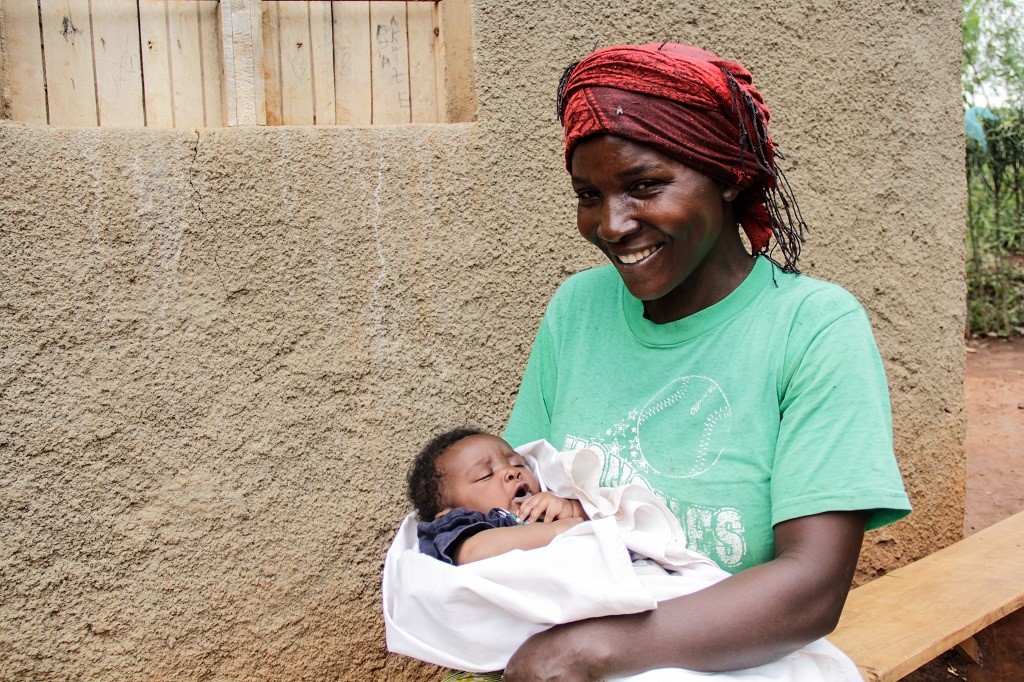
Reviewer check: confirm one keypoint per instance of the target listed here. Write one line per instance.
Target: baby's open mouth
(522, 493)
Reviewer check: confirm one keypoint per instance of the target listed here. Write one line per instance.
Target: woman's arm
(495, 541)
(751, 618)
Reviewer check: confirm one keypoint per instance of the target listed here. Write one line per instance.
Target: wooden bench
(901, 621)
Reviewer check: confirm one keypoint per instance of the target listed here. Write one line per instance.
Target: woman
(751, 398)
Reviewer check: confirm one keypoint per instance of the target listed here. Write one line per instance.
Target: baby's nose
(511, 474)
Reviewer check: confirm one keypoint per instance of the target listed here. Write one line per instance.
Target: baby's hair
(425, 490)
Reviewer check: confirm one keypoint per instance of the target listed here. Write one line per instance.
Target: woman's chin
(642, 290)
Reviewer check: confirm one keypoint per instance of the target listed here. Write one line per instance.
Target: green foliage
(993, 52)
(993, 87)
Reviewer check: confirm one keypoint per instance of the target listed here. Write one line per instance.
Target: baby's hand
(549, 507)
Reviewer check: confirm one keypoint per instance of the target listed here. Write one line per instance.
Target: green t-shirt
(769, 405)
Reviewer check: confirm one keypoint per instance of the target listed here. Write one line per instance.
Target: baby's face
(482, 472)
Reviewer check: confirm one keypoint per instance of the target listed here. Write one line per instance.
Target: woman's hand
(549, 507)
(562, 653)
(751, 618)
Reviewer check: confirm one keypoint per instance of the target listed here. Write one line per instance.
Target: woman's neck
(707, 285)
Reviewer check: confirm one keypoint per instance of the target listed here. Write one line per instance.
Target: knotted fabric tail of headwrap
(701, 110)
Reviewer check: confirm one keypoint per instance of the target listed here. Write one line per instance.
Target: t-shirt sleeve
(441, 537)
(531, 414)
(835, 447)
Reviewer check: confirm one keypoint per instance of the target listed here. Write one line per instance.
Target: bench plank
(897, 623)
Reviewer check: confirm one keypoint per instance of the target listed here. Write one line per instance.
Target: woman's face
(668, 229)
(482, 472)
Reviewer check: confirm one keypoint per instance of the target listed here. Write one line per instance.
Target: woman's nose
(616, 222)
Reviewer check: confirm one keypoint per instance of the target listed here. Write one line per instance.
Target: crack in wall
(192, 173)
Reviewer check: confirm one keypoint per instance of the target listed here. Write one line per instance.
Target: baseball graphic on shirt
(683, 429)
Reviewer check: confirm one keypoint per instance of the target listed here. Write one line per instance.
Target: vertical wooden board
(296, 70)
(243, 79)
(186, 65)
(24, 84)
(389, 65)
(209, 37)
(321, 35)
(422, 67)
(456, 81)
(115, 24)
(440, 57)
(225, 37)
(272, 63)
(352, 63)
(156, 65)
(67, 51)
(5, 94)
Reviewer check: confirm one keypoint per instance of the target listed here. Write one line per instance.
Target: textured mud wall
(220, 349)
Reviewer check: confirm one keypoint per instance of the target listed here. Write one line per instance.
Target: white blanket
(473, 617)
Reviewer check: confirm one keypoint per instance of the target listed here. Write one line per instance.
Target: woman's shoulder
(599, 277)
(810, 312)
(595, 285)
(810, 296)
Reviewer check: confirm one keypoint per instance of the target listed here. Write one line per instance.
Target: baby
(477, 498)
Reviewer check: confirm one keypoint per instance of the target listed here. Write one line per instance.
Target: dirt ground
(994, 393)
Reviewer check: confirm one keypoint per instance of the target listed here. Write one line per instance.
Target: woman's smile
(636, 257)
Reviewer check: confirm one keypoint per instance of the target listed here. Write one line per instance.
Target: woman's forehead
(629, 156)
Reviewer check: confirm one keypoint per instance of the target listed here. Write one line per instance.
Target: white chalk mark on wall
(376, 301)
(100, 267)
(168, 229)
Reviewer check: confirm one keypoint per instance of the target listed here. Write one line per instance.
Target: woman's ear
(443, 512)
(730, 193)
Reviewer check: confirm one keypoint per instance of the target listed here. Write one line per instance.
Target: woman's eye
(586, 195)
(641, 185)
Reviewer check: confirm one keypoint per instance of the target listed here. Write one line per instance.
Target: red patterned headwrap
(697, 108)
